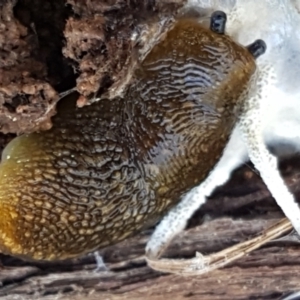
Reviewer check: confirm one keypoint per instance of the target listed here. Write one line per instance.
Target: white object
(294, 296)
(271, 116)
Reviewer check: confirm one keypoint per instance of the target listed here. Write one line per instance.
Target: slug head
(203, 64)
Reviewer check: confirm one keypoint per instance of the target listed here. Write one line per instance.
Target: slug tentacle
(257, 48)
(106, 171)
(218, 22)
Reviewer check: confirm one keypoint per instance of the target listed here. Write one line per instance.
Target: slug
(108, 170)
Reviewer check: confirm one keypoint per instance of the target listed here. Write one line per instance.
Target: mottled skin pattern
(105, 171)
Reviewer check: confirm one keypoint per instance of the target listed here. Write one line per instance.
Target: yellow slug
(108, 170)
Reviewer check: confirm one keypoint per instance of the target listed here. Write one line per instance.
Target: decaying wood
(236, 213)
(48, 47)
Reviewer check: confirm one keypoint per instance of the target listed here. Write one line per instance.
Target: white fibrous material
(271, 115)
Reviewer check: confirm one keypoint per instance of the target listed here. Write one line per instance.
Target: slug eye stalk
(218, 22)
(257, 48)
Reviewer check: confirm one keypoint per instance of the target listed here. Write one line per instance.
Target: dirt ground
(48, 47)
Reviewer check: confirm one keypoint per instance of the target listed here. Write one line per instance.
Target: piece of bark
(46, 45)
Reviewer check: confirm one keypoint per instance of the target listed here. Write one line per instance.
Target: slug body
(106, 171)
